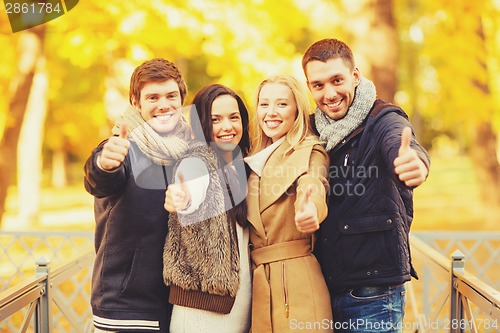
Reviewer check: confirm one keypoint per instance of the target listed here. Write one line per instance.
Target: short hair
(202, 108)
(155, 70)
(301, 130)
(326, 49)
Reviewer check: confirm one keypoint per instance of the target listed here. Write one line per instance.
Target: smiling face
(227, 127)
(276, 110)
(332, 85)
(160, 105)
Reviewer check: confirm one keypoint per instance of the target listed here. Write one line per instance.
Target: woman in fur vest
(206, 261)
(286, 202)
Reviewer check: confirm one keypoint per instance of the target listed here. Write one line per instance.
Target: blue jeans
(369, 309)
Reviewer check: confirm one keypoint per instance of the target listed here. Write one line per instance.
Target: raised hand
(177, 196)
(408, 166)
(306, 218)
(114, 150)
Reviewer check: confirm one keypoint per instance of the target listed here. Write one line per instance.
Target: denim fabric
(369, 309)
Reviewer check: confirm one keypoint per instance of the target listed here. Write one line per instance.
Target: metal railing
(447, 298)
(466, 289)
(451, 298)
(64, 304)
(38, 295)
(19, 251)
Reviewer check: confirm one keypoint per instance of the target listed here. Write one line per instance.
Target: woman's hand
(306, 218)
(177, 196)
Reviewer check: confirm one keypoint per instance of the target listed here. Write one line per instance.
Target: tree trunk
(29, 149)
(59, 174)
(484, 142)
(29, 49)
(483, 153)
(377, 46)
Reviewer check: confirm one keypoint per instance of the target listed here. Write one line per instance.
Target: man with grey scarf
(128, 175)
(375, 163)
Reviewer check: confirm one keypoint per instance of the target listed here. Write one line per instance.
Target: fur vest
(200, 257)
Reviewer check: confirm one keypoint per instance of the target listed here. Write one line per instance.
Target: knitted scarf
(333, 131)
(163, 150)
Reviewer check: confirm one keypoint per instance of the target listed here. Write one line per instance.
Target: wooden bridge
(457, 290)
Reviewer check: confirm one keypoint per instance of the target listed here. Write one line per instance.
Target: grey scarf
(163, 150)
(333, 131)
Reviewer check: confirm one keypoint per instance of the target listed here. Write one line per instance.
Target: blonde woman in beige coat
(286, 203)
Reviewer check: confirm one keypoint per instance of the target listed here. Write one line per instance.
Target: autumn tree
(458, 82)
(375, 42)
(30, 45)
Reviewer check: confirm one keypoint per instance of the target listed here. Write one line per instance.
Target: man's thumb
(405, 140)
(124, 131)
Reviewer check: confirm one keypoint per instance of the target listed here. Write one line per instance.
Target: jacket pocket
(369, 246)
(369, 223)
(129, 280)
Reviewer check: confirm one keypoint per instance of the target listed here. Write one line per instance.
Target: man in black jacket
(128, 175)
(375, 162)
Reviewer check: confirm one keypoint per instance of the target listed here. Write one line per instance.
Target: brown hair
(326, 49)
(155, 70)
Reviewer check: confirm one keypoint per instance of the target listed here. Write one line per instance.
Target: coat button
(389, 221)
(375, 272)
(346, 226)
(368, 273)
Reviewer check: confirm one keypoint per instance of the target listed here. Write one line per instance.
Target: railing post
(457, 307)
(43, 319)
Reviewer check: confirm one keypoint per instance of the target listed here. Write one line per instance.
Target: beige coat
(289, 291)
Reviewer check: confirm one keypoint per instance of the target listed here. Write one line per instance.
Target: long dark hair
(201, 123)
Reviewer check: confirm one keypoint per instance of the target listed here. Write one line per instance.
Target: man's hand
(177, 196)
(114, 151)
(408, 166)
(306, 218)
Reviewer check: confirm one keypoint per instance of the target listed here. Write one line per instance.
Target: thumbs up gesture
(177, 196)
(408, 166)
(114, 150)
(306, 218)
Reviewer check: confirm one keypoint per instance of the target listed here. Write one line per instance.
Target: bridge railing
(448, 297)
(34, 299)
(41, 295)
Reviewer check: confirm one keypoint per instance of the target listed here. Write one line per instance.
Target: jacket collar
(258, 161)
(278, 175)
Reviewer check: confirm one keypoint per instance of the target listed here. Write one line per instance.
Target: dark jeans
(369, 309)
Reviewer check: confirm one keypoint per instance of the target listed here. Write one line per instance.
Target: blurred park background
(65, 82)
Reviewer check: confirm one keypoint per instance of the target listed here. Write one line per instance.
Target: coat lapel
(253, 211)
(280, 172)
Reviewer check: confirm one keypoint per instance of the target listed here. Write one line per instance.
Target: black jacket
(364, 239)
(131, 227)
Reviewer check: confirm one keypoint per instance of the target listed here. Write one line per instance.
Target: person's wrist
(99, 165)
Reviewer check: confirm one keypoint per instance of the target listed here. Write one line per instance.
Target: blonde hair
(300, 133)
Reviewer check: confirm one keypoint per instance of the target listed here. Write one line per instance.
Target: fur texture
(201, 250)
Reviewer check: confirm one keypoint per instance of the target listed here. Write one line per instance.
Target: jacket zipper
(285, 291)
(346, 159)
(164, 175)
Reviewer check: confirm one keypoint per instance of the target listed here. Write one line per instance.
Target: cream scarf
(333, 131)
(163, 150)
